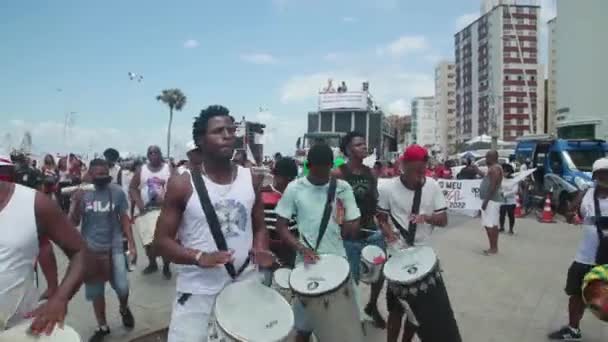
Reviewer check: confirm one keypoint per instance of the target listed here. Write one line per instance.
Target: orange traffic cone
(518, 211)
(547, 215)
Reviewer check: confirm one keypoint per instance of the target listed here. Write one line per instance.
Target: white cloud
(404, 45)
(259, 58)
(191, 44)
(465, 20)
(399, 106)
(349, 19)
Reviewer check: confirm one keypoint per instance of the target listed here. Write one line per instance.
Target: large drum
(327, 292)
(20, 333)
(412, 271)
(280, 282)
(248, 311)
(146, 225)
(414, 279)
(372, 259)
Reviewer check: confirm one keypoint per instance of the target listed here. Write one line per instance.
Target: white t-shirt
(153, 184)
(587, 248)
(396, 200)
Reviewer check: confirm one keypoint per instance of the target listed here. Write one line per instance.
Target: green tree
(175, 100)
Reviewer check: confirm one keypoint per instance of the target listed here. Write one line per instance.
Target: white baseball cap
(600, 164)
(5, 160)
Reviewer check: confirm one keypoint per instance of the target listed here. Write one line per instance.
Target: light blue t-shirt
(306, 202)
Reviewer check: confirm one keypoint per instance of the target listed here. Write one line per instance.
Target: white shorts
(490, 217)
(146, 225)
(190, 320)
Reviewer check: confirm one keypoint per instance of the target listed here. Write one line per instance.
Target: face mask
(102, 181)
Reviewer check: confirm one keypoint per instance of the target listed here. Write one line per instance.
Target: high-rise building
(581, 73)
(424, 122)
(445, 106)
(497, 72)
(551, 91)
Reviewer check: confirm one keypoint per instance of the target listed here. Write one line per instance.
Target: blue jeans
(119, 281)
(354, 248)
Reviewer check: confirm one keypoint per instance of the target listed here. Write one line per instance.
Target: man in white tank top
(147, 190)
(22, 212)
(235, 196)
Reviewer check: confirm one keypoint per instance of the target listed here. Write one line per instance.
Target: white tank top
(153, 184)
(233, 205)
(18, 252)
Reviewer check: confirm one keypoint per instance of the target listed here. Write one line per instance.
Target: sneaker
(100, 334)
(167, 272)
(127, 318)
(152, 268)
(372, 311)
(566, 334)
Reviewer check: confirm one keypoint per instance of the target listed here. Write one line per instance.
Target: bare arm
(282, 227)
(385, 226)
(178, 190)
(350, 228)
(437, 219)
(75, 212)
(125, 222)
(134, 192)
(52, 222)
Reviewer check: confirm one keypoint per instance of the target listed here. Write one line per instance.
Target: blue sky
(73, 56)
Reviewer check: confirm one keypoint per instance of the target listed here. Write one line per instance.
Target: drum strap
(214, 223)
(410, 234)
(601, 224)
(331, 194)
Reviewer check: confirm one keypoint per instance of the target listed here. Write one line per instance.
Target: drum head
(326, 275)
(409, 265)
(281, 277)
(250, 311)
(371, 252)
(20, 333)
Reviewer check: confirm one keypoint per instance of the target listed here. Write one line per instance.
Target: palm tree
(175, 100)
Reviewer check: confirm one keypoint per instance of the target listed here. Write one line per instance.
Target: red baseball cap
(415, 153)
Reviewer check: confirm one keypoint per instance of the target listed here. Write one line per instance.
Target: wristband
(197, 257)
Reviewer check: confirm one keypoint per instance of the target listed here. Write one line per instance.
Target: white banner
(464, 194)
(349, 100)
(461, 194)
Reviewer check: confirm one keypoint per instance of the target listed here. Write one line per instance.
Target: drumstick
(70, 189)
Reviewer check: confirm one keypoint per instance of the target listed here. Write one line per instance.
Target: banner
(464, 194)
(348, 100)
(461, 194)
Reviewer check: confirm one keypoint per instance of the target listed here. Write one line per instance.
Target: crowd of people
(220, 222)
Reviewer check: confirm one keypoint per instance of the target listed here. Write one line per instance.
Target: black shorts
(574, 282)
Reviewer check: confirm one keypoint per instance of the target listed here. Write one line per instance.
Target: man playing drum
(230, 194)
(305, 199)
(592, 250)
(365, 189)
(433, 319)
(147, 189)
(25, 214)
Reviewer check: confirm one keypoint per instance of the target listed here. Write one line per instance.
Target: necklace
(275, 190)
(227, 187)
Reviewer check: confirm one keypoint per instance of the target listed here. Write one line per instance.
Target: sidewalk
(516, 296)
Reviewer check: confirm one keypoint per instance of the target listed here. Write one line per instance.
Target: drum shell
(334, 315)
(370, 271)
(281, 286)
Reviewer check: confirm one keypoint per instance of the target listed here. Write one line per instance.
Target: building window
(513, 133)
(513, 121)
(520, 99)
(520, 121)
(520, 110)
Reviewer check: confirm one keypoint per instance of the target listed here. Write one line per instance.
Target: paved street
(515, 296)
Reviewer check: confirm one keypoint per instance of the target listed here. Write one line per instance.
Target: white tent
(484, 138)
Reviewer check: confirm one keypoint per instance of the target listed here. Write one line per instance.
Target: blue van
(563, 167)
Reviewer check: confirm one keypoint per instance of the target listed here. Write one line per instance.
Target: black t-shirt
(365, 189)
